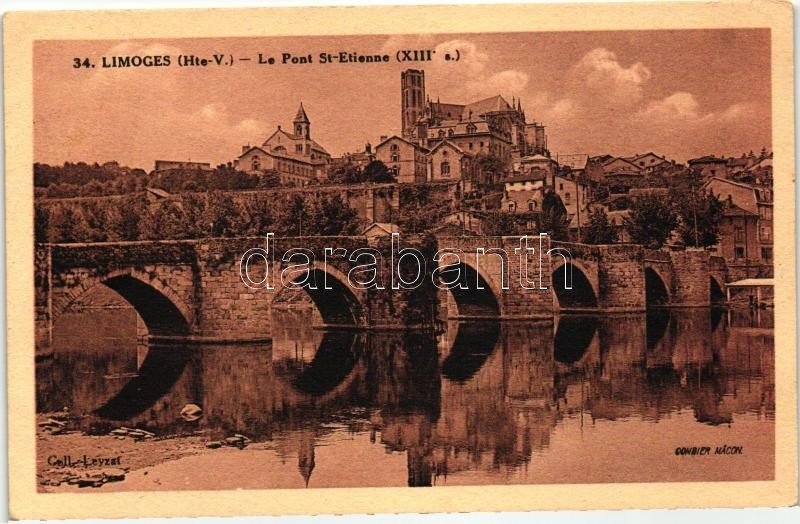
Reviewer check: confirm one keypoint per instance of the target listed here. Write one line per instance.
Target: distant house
(531, 163)
(359, 159)
(575, 197)
(524, 193)
(406, 160)
(749, 208)
(600, 167)
(380, 229)
(576, 162)
(449, 162)
(710, 166)
(648, 162)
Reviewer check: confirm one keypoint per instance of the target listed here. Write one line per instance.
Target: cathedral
(488, 126)
(296, 157)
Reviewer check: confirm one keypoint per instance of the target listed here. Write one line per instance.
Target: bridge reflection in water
(587, 399)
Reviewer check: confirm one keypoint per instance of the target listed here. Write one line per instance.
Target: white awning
(751, 282)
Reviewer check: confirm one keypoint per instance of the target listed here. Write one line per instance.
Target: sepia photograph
(405, 259)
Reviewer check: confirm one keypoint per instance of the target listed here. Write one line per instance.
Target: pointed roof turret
(301, 117)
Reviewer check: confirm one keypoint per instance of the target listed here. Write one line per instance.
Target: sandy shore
(92, 461)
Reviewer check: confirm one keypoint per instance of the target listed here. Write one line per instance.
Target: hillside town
(476, 168)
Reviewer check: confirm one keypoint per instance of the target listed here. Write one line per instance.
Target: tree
(500, 223)
(377, 172)
(599, 230)
(331, 216)
(222, 215)
(555, 221)
(419, 209)
(651, 221)
(348, 173)
(67, 224)
(269, 179)
(489, 168)
(257, 217)
(166, 220)
(699, 217)
(41, 223)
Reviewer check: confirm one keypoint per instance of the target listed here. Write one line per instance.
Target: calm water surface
(584, 399)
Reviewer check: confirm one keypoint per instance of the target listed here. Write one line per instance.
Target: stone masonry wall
(621, 278)
(690, 270)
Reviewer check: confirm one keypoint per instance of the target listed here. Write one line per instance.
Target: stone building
(710, 166)
(406, 160)
(576, 197)
(295, 157)
(489, 126)
(524, 193)
(746, 230)
(648, 162)
(447, 161)
(600, 167)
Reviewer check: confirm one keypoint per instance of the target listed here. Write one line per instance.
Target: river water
(584, 399)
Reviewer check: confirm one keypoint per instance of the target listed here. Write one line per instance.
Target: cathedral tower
(412, 101)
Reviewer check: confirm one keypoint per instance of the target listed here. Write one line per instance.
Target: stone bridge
(194, 288)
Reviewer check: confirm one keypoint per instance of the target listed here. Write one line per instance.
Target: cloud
(474, 78)
(680, 105)
(600, 73)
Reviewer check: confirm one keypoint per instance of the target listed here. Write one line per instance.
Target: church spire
(302, 125)
(301, 117)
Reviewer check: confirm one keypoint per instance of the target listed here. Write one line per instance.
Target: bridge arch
(476, 296)
(583, 293)
(655, 288)
(573, 336)
(341, 305)
(160, 307)
(332, 366)
(473, 344)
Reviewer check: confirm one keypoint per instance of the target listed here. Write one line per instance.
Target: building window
(441, 133)
(395, 158)
(765, 212)
(481, 144)
(567, 198)
(738, 252)
(470, 145)
(450, 132)
(766, 233)
(445, 168)
(532, 205)
(766, 253)
(713, 171)
(560, 187)
(512, 206)
(298, 148)
(256, 163)
(739, 234)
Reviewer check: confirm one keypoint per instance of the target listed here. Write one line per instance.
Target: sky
(682, 93)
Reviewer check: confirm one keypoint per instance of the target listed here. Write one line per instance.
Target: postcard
(400, 259)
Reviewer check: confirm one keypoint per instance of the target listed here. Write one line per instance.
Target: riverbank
(71, 460)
